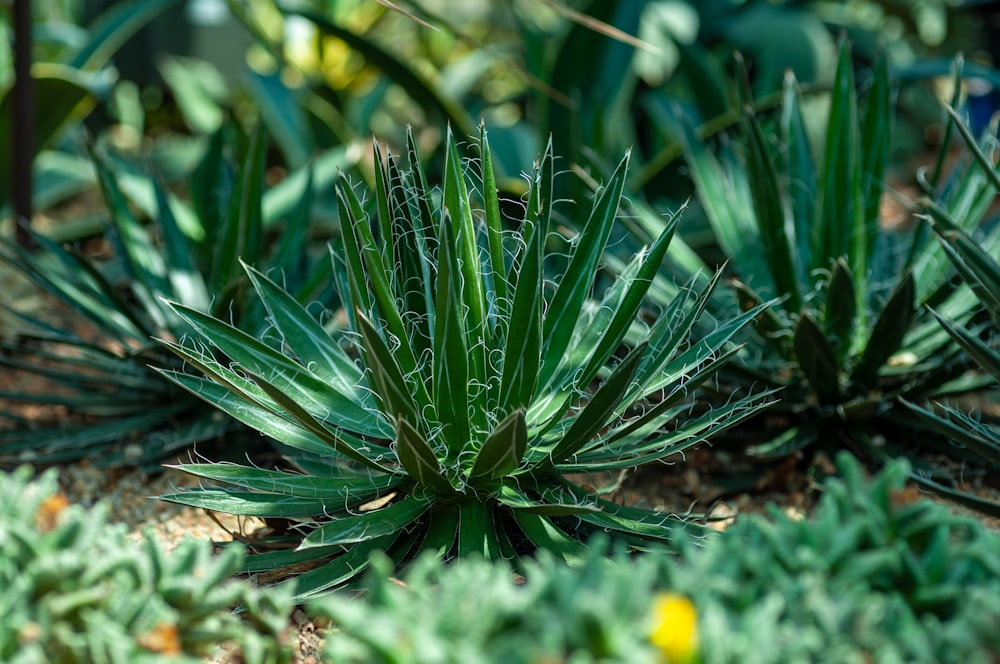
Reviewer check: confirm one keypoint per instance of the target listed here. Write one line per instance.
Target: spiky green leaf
(418, 459)
(367, 525)
(502, 451)
(888, 332)
(817, 359)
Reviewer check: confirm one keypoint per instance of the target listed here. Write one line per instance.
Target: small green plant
(97, 359)
(850, 339)
(877, 573)
(475, 612)
(477, 373)
(76, 589)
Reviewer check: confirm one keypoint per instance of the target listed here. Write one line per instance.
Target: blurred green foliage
(77, 590)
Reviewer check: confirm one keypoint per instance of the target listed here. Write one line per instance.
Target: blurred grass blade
(840, 231)
(802, 178)
(68, 94)
(73, 281)
(295, 235)
(241, 235)
(186, 280)
(141, 258)
(212, 184)
(723, 191)
(769, 206)
(875, 139)
(284, 114)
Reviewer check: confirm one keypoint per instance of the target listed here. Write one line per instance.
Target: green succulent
(76, 589)
(97, 360)
(476, 372)
(475, 612)
(849, 340)
(877, 572)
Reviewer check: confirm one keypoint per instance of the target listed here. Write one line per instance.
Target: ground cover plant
(877, 573)
(76, 590)
(478, 372)
(850, 339)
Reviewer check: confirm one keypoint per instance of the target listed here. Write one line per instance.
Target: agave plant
(96, 360)
(980, 272)
(850, 339)
(476, 373)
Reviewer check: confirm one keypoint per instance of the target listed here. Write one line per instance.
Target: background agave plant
(96, 362)
(974, 432)
(477, 371)
(849, 340)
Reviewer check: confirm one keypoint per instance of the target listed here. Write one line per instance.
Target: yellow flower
(675, 628)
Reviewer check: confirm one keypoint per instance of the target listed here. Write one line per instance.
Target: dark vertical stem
(23, 121)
